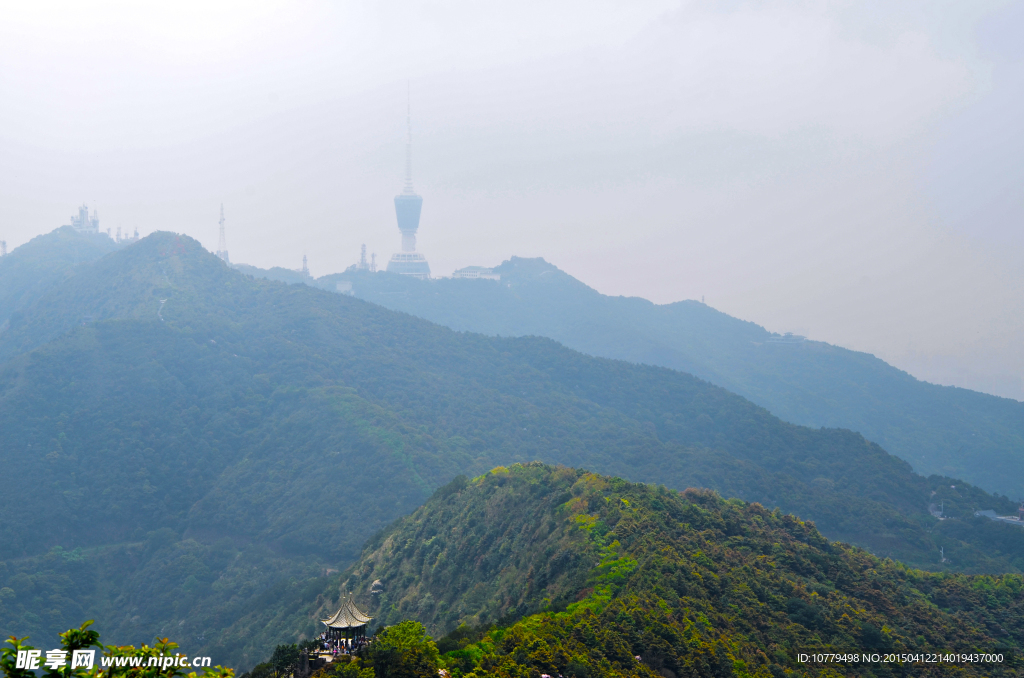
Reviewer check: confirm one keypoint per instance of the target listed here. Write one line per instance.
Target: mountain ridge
(942, 430)
(209, 442)
(938, 429)
(558, 570)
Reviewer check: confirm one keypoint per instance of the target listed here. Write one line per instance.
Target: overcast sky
(851, 171)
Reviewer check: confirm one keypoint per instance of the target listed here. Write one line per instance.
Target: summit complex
(407, 208)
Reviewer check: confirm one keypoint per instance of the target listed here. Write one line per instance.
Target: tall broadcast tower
(407, 209)
(222, 243)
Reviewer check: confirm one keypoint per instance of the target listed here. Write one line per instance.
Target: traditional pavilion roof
(348, 616)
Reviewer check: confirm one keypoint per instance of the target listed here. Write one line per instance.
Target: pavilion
(347, 623)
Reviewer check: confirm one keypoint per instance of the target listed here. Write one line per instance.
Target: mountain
(46, 260)
(937, 429)
(535, 569)
(206, 444)
(285, 275)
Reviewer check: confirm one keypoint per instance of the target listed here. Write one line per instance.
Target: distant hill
(937, 429)
(941, 430)
(285, 275)
(534, 569)
(46, 260)
(207, 444)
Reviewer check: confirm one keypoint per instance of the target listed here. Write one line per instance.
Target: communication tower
(222, 242)
(3, 248)
(407, 209)
(305, 266)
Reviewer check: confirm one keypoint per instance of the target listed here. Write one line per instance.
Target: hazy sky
(851, 171)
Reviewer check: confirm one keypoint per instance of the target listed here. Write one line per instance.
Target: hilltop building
(127, 238)
(476, 272)
(83, 223)
(787, 338)
(407, 209)
(222, 242)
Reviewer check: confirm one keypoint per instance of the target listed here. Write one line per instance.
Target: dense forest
(938, 430)
(943, 430)
(194, 447)
(43, 263)
(532, 569)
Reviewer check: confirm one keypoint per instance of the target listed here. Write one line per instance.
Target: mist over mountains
(937, 429)
(512, 472)
(196, 447)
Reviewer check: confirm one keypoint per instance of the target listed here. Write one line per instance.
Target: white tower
(222, 243)
(407, 208)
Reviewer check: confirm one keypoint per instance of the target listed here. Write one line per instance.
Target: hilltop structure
(364, 265)
(222, 242)
(477, 272)
(407, 208)
(3, 248)
(126, 238)
(348, 623)
(83, 223)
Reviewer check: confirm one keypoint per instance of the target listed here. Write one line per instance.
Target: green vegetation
(938, 430)
(195, 460)
(942, 430)
(46, 261)
(403, 651)
(608, 570)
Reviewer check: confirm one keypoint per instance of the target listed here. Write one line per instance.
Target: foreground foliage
(84, 638)
(689, 582)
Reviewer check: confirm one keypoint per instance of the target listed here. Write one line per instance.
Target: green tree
(285, 657)
(404, 651)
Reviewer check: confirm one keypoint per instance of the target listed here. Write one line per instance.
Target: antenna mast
(222, 242)
(408, 140)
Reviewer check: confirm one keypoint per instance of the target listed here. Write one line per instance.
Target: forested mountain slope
(209, 444)
(33, 268)
(583, 573)
(944, 430)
